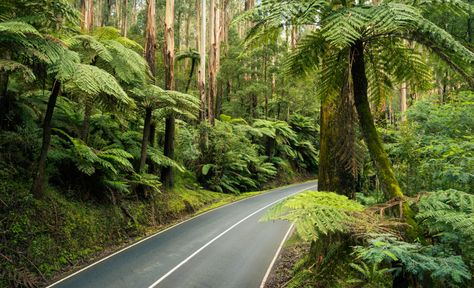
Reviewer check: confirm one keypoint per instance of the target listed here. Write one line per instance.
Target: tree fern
(448, 211)
(416, 259)
(316, 213)
(93, 81)
(10, 66)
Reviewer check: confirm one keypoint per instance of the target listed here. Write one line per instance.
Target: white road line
(219, 236)
(162, 231)
(265, 278)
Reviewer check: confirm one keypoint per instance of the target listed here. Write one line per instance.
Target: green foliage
(316, 213)
(434, 151)
(420, 261)
(448, 216)
(372, 276)
(232, 163)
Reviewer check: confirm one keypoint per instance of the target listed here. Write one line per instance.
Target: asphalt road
(224, 248)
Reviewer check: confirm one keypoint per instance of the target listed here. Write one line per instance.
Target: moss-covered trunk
(389, 183)
(337, 145)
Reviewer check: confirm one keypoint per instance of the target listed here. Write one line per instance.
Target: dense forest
(118, 117)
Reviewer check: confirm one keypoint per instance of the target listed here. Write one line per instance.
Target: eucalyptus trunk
(167, 171)
(202, 63)
(124, 26)
(150, 58)
(38, 183)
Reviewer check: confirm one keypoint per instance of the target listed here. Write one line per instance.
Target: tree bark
(124, 26)
(4, 99)
(167, 172)
(191, 73)
(38, 183)
(86, 121)
(403, 101)
(150, 35)
(390, 185)
(202, 63)
(337, 164)
(145, 139)
(150, 46)
(214, 58)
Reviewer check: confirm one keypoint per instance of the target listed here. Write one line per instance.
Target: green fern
(448, 211)
(316, 213)
(416, 259)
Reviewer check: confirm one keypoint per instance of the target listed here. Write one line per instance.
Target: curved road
(226, 247)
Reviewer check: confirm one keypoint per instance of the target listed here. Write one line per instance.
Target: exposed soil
(282, 271)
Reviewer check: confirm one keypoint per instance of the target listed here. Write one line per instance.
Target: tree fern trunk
(167, 172)
(145, 139)
(86, 122)
(38, 183)
(4, 101)
(327, 176)
(380, 158)
(382, 164)
(191, 73)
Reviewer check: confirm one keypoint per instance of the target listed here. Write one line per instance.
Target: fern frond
(93, 81)
(11, 66)
(315, 213)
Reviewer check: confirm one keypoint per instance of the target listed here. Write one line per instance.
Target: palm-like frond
(112, 33)
(316, 213)
(13, 66)
(129, 66)
(93, 81)
(18, 28)
(89, 48)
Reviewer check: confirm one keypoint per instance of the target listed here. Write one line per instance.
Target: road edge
(166, 228)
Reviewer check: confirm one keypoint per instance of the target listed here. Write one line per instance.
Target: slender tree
(124, 27)
(214, 57)
(150, 47)
(39, 178)
(202, 62)
(167, 171)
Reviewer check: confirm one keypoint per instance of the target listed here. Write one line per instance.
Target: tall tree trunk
(38, 183)
(214, 58)
(83, 13)
(150, 46)
(337, 164)
(380, 158)
(90, 15)
(202, 63)
(150, 35)
(327, 176)
(167, 172)
(124, 26)
(403, 100)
